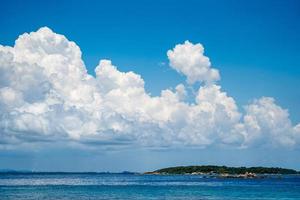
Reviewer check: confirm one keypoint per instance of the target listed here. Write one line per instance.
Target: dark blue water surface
(126, 186)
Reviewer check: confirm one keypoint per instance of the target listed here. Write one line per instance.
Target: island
(224, 171)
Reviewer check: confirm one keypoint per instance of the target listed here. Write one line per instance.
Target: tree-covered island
(224, 171)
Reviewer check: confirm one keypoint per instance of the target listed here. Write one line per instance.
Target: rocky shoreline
(213, 175)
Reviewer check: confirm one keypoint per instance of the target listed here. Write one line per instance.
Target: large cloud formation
(46, 94)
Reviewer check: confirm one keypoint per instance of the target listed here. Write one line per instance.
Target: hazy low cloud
(46, 94)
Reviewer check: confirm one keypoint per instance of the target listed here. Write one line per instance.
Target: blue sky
(254, 45)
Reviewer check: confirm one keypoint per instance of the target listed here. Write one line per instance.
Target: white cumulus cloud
(269, 124)
(46, 94)
(189, 59)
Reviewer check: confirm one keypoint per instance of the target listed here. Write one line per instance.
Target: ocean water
(148, 187)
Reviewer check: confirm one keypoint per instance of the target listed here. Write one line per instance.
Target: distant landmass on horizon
(193, 170)
(224, 171)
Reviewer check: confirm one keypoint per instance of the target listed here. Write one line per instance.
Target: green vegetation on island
(223, 170)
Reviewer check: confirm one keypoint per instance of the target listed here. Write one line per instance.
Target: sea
(147, 187)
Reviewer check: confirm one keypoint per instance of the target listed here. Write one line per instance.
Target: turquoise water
(122, 186)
